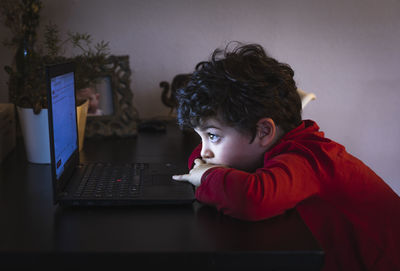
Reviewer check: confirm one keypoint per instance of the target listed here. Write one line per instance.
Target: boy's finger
(183, 177)
(198, 161)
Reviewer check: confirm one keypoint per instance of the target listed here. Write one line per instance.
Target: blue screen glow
(64, 119)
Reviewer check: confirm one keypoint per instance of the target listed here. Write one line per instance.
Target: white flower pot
(35, 131)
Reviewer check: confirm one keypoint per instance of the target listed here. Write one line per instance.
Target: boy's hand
(194, 175)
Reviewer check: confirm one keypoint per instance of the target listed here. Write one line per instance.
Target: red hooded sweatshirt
(351, 211)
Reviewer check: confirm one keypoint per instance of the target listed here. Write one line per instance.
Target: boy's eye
(213, 138)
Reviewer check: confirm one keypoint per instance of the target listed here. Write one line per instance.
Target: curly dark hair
(239, 87)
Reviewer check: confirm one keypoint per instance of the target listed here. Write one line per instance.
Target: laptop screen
(63, 115)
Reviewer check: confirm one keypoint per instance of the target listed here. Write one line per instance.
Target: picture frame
(118, 117)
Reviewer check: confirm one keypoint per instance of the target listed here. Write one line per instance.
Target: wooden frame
(122, 122)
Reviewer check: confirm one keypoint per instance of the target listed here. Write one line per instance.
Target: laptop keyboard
(104, 180)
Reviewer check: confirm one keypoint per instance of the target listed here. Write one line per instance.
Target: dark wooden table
(34, 233)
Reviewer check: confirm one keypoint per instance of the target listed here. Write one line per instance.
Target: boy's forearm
(249, 196)
(231, 192)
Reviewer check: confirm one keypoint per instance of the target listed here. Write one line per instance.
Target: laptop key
(102, 179)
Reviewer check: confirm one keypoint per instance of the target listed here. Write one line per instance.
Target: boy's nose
(206, 153)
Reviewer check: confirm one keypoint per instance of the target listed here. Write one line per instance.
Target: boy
(258, 159)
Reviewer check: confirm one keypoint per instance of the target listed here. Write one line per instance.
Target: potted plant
(27, 84)
(88, 64)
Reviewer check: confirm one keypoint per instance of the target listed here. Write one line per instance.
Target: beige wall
(345, 51)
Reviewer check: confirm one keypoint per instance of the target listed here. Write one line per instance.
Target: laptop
(98, 183)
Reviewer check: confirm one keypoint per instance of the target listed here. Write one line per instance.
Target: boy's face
(224, 145)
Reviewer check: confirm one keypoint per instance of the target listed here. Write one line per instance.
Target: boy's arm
(280, 185)
(268, 192)
(196, 174)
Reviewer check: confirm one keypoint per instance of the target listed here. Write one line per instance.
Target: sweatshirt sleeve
(280, 185)
(195, 154)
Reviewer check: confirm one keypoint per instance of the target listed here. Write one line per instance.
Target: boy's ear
(266, 131)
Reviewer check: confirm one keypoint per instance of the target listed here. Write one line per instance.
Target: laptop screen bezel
(59, 185)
